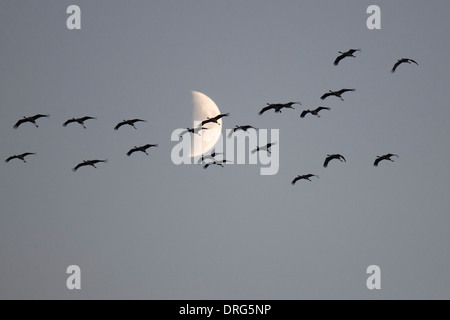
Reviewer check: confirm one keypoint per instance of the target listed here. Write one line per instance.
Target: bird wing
(19, 123)
(336, 62)
(326, 95)
(342, 157)
(265, 109)
(67, 122)
(322, 108)
(38, 116)
(413, 61)
(137, 120)
(222, 115)
(304, 113)
(325, 164)
(207, 121)
(10, 158)
(377, 160)
(396, 65)
(295, 180)
(78, 166)
(119, 125)
(345, 90)
(28, 154)
(87, 118)
(149, 146)
(182, 133)
(129, 153)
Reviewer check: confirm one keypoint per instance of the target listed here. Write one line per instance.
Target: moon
(204, 107)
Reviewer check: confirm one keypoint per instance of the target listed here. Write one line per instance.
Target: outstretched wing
(129, 153)
(413, 61)
(21, 121)
(345, 90)
(137, 120)
(377, 161)
(119, 125)
(10, 158)
(38, 116)
(326, 95)
(150, 145)
(295, 180)
(78, 166)
(67, 122)
(28, 154)
(265, 109)
(336, 62)
(322, 108)
(327, 160)
(304, 113)
(87, 118)
(396, 65)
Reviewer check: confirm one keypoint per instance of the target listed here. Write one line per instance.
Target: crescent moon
(204, 107)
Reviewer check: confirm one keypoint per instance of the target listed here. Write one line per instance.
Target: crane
(343, 55)
(214, 119)
(31, 119)
(91, 163)
(264, 148)
(384, 157)
(243, 128)
(128, 122)
(336, 93)
(20, 157)
(141, 149)
(332, 157)
(314, 112)
(278, 106)
(303, 177)
(79, 121)
(400, 61)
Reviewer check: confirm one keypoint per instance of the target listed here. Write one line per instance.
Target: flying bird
(193, 130)
(264, 148)
(304, 177)
(91, 163)
(141, 149)
(128, 122)
(332, 157)
(243, 128)
(400, 61)
(343, 55)
(313, 112)
(336, 93)
(20, 157)
(78, 120)
(210, 156)
(215, 119)
(31, 119)
(385, 157)
(278, 106)
(218, 163)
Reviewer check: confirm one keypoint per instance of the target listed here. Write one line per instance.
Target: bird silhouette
(400, 61)
(264, 148)
(141, 149)
(214, 119)
(78, 120)
(343, 55)
(314, 112)
(332, 157)
(303, 177)
(91, 163)
(128, 122)
(384, 157)
(278, 106)
(31, 119)
(336, 93)
(243, 128)
(20, 157)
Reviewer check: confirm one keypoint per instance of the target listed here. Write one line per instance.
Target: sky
(142, 227)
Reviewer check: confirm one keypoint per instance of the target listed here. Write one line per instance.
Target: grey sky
(141, 227)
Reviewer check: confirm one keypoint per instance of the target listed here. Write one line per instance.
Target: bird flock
(276, 107)
(81, 121)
